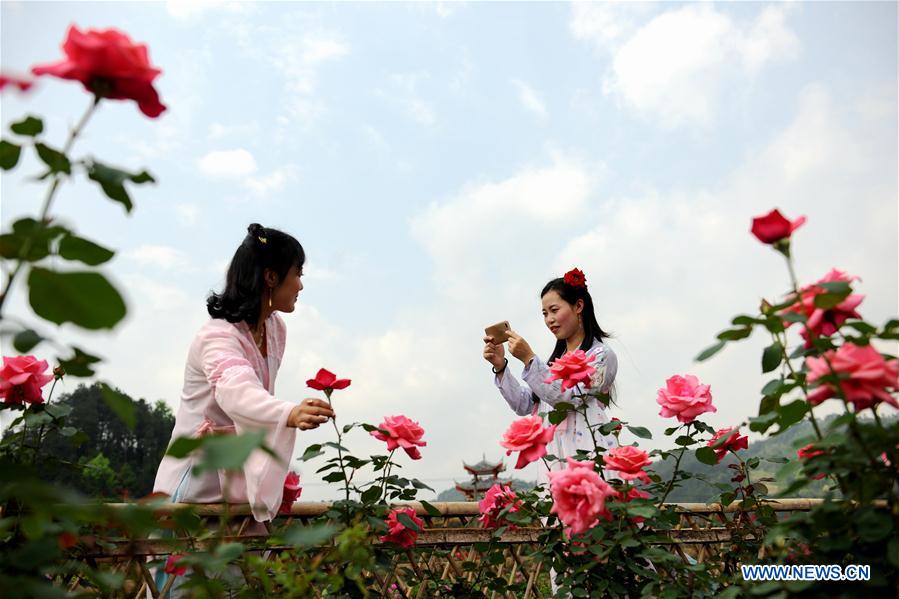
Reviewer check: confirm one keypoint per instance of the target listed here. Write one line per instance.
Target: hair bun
(257, 234)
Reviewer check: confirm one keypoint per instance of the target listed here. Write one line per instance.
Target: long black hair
(261, 249)
(571, 294)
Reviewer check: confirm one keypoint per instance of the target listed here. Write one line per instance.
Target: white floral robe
(572, 433)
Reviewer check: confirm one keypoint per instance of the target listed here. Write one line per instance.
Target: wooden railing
(448, 540)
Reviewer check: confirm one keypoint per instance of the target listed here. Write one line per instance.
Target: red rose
(292, 491)
(172, 567)
(773, 227)
(325, 380)
(575, 277)
(820, 322)
(734, 442)
(21, 379)
(14, 80)
(397, 531)
(109, 65)
(808, 452)
(399, 431)
(629, 461)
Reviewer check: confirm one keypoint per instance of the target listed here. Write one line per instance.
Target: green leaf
(119, 403)
(640, 431)
(9, 154)
(710, 351)
(30, 126)
(310, 535)
(862, 327)
(112, 181)
(791, 413)
(183, 446)
(772, 356)
(420, 485)
(684, 440)
(229, 452)
(26, 340)
(644, 511)
(29, 241)
(334, 477)
(873, 525)
(744, 320)
(408, 522)
(735, 334)
(893, 551)
(707, 455)
(773, 387)
(54, 159)
(372, 494)
(83, 250)
(430, 509)
(793, 317)
(229, 551)
(85, 299)
(556, 416)
(79, 364)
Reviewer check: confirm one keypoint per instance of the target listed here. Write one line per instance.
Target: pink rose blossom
(629, 461)
(865, 376)
(821, 322)
(579, 496)
(21, 379)
(399, 431)
(528, 436)
(574, 368)
(773, 227)
(497, 498)
(292, 491)
(685, 397)
(734, 442)
(397, 531)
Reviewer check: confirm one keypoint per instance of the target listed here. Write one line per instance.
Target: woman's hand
(310, 414)
(519, 348)
(494, 353)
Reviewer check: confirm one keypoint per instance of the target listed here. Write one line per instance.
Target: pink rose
(528, 436)
(685, 397)
(629, 461)
(172, 567)
(773, 227)
(821, 322)
(497, 498)
(734, 442)
(21, 379)
(397, 531)
(399, 431)
(579, 496)
(572, 369)
(109, 65)
(808, 452)
(292, 491)
(327, 381)
(633, 493)
(865, 376)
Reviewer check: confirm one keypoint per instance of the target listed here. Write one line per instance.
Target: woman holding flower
(229, 379)
(580, 363)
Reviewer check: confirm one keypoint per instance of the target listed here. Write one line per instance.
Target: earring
(269, 298)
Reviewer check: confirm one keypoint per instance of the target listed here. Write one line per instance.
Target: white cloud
(186, 9)
(187, 213)
(219, 130)
(227, 164)
(273, 182)
(678, 67)
(529, 98)
(405, 94)
(161, 257)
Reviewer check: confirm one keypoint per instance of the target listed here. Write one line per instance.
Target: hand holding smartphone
(499, 332)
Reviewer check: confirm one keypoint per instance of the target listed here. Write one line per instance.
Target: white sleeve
(519, 398)
(537, 372)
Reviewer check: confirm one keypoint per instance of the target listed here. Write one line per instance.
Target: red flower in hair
(575, 277)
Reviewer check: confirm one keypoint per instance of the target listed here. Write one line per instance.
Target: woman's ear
(579, 306)
(271, 278)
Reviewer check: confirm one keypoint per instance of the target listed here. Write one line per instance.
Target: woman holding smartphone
(569, 315)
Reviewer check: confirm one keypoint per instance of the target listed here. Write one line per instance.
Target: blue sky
(441, 162)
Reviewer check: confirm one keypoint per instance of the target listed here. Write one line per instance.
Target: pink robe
(229, 387)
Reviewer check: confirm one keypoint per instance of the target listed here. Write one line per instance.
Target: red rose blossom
(574, 368)
(397, 532)
(734, 442)
(109, 65)
(774, 227)
(575, 277)
(327, 381)
(629, 462)
(497, 498)
(292, 491)
(822, 322)
(172, 567)
(8, 79)
(807, 452)
(21, 379)
(866, 378)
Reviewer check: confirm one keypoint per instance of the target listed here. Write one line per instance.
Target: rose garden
(602, 527)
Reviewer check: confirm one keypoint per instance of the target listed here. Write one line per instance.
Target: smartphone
(499, 331)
